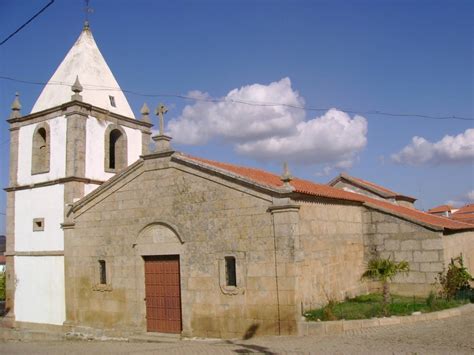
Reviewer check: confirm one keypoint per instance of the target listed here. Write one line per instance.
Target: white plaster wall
(95, 150)
(57, 165)
(39, 293)
(44, 202)
(88, 188)
(134, 139)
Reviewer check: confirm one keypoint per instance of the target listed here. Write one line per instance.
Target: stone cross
(160, 111)
(286, 177)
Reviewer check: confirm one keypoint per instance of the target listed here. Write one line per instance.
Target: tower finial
(16, 107)
(286, 176)
(145, 111)
(76, 89)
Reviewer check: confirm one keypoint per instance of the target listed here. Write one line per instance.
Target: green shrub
(455, 280)
(328, 311)
(431, 301)
(369, 306)
(2, 285)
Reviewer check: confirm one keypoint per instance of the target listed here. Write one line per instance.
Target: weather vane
(87, 10)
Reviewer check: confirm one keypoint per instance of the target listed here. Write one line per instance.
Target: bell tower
(80, 133)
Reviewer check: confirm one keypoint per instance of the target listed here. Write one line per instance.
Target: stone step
(9, 334)
(154, 338)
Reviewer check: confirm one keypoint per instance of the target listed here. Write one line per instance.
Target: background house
(364, 187)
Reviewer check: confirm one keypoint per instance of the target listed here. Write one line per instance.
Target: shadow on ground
(250, 348)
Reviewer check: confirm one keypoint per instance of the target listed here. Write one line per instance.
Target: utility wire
(243, 102)
(27, 22)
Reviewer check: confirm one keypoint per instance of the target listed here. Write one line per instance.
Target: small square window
(38, 224)
(112, 101)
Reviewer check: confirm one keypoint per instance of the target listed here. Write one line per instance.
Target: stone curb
(334, 327)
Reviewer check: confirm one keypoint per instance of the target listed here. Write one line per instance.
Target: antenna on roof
(87, 10)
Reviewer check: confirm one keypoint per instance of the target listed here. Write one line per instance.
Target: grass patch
(370, 306)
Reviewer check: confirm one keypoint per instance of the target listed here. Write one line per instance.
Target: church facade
(105, 236)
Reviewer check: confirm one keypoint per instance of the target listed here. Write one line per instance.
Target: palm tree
(384, 270)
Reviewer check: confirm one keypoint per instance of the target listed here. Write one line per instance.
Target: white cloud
(462, 200)
(450, 149)
(227, 120)
(470, 196)
(332, 138)
(269, 132)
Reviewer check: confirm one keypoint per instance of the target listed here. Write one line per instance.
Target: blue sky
(391, 56)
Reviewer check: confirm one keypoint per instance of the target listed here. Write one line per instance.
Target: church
(110, 231)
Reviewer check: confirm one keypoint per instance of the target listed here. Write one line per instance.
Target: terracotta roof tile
(439, 209)
(465, 209)
(314, 189)
(2, 259)
(466, 218)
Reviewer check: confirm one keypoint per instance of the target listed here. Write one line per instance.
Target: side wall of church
(460, 243)
(212, 217)
(332, 242)
(400, 240)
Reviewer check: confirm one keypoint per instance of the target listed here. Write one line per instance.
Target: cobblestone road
(449, 336)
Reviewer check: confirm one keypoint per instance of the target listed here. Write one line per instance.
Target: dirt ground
(448, 336)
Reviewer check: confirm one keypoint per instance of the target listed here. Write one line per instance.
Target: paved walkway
(448, 336)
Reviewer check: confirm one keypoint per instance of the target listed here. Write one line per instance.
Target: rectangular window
(112, 101)
(230, 272)
(103, 272)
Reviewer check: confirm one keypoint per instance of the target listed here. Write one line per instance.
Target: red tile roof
(464, 214)
(440, 209)
(466, 218)
(467, 209)
(310, 188)
(2, 260)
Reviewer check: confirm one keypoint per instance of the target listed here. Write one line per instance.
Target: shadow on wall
(3, 310)
(250, 333)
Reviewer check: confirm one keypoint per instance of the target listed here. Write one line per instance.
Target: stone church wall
(332, 242)
(459, 243)
(389, 236)
(212, 217)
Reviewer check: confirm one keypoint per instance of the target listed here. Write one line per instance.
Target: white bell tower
(80, 132)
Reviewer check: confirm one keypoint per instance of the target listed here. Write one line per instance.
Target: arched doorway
(160, 247)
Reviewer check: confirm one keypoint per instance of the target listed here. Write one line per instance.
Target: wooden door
(163, 294)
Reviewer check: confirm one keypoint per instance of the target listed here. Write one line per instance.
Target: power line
(243, 102)
(27, 22)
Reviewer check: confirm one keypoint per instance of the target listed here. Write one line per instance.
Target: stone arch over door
(160, 249)
(159, 238)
